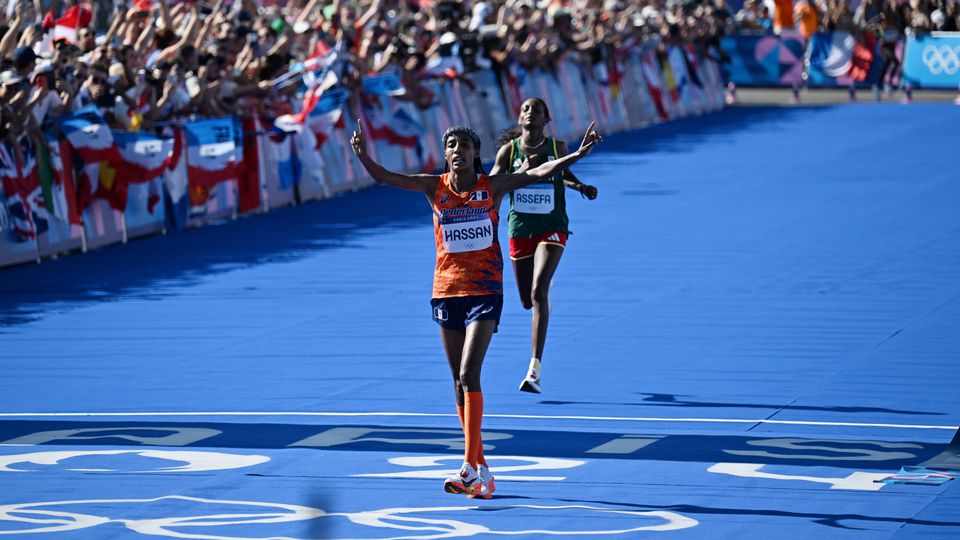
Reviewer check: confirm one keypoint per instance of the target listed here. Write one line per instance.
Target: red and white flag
(73, 19)
(652, 75)
(211, 151)
(89, 135)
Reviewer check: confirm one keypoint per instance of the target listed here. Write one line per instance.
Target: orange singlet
(469, 260)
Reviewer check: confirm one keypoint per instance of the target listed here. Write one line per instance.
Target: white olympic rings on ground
(45, 518)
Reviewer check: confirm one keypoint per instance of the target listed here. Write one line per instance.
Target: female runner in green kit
(538, 223)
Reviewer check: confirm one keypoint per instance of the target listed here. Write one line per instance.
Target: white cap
(448, 38)
(649, 12)
(9, 77)
(43, 66)
(301, 27)
(481, 10)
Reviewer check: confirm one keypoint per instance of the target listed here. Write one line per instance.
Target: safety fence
(83, 185)
(841, 59)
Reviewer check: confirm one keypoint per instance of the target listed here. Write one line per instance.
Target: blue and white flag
(89, 135)
(386, 84)
(211, 151)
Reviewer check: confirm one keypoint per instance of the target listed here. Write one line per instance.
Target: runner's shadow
(670, 400)
(145, 266)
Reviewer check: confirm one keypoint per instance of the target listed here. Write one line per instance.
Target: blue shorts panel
(457, 312)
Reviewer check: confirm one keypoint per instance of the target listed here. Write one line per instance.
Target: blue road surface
(754, 324)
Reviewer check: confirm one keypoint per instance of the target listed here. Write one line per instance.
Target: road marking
(448, 415)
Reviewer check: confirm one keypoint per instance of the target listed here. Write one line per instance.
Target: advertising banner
(933, 60)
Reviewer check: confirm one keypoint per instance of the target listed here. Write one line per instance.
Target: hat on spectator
(116, 72)
(937, 17)
(481, 10)
(301, 27)
(143, 6)
(9, 77)
(43, 66)
(23, 56)
(448, 38)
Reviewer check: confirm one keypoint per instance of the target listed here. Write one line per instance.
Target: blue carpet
(753, 322)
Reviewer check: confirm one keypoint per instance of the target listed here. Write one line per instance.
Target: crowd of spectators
(890, 18)
(154, 61)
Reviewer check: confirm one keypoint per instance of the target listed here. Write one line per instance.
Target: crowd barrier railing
(85, 186)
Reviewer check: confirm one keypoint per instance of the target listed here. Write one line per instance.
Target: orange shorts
(521, 248)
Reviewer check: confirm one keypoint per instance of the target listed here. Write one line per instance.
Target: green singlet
(541, 207)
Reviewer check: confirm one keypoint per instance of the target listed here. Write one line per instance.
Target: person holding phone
(538, 220)
(468, 277)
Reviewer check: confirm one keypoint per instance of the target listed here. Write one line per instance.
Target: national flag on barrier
(324, 124)
(654, 79)
(143, 158)
(280, 149)
(386, 84)
(59, 160)
(272, 149)
(612, 75)
(144, 155)
(397, 128)
(89, 135)
(669, 80)
(93, 144)
(211, 151)
(22, 190)
(248, 177)
(177, 204)
(693, 66)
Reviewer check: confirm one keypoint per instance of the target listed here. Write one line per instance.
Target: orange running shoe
(466, 482)
(486, 484)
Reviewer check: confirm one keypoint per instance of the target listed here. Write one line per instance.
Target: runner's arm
(504, 183)
(502, 163)
(424, 183)
(571, 181)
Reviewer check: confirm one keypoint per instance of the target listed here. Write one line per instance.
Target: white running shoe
(467, 481)
(486, 484)
(531, 383)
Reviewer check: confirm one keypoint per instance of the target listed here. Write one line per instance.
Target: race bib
(467, 235)
(534, 199)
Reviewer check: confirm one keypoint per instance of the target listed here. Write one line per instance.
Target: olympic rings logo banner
(933, 60)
